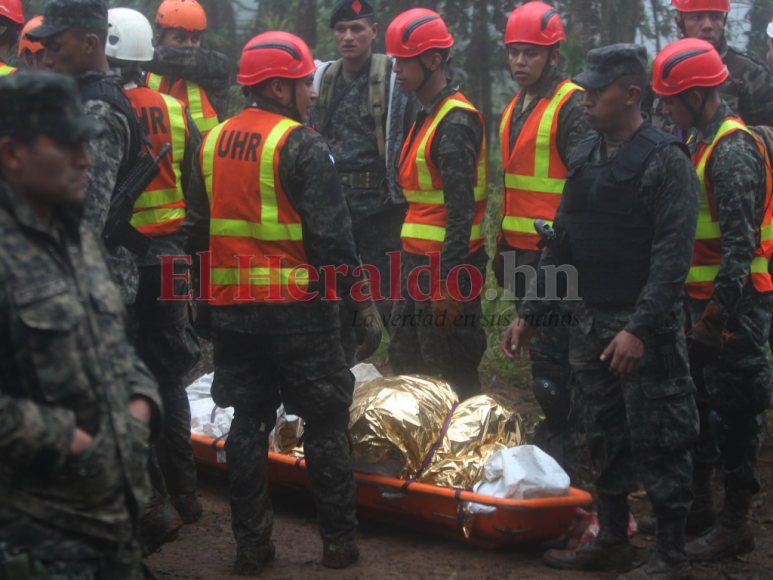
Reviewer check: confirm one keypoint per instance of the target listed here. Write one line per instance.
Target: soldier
(31, 52)
(181, 68)
(443, 173)
(357, 98)
(74, 33)
(627, 216)
(748, 89)
(278, 219)
(729, 290)
(11, 22)
(77, 406)
(540, 130)
(166, 340)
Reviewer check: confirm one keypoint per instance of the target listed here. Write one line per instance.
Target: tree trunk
(306, 22)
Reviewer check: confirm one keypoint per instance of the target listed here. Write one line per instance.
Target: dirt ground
(206, 550)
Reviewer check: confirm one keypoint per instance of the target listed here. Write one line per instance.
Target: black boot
(252, 561)
(338, 557)
(669, 560)
(732, 535)
(159, 523)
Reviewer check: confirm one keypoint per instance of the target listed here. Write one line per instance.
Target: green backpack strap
(377, 98)
(327, 87)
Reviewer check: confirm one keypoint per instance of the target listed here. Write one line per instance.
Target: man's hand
(451, 309)
(517, 338)
(140, 409)
(80, 441)
(626, 351)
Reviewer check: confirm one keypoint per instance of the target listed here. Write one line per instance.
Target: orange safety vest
(534, 172)
(161, 209)
(194, 97)
(424, 229)
(251, 214)
(6, 70)
(707, 255)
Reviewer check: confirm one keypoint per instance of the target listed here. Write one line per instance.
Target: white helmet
(770, 29)
(130, 36)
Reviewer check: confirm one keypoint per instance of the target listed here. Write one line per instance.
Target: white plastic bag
(202, 406)
(365, 372)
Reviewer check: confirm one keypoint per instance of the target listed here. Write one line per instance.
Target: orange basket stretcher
(425, 508)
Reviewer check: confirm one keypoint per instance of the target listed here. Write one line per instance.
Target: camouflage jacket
(107, 154)
(207, 68)
(736, 171)
(669, 193)
(748, 91)
(309, 179)
(65, 362)
(454, 151)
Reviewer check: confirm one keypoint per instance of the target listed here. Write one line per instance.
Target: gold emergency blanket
(399, 417)
(286, 434)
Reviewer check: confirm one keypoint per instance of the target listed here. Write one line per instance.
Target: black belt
(362, 180)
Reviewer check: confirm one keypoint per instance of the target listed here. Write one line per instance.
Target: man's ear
(554, 57)
(92, 43)
(9, 153)
(634, 95)
(374, 29)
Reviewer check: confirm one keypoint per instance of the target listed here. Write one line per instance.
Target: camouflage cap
(609, 63)
(61, 15)
(46, 104)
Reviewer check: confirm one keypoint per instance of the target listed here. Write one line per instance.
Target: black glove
(368, 328)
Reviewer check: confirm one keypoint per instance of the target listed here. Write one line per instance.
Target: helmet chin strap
(696, 115)
(428, 72)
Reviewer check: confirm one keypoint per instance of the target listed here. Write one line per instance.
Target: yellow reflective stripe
(539, 184)
(760, 265)
(269, 276)
(433, 196)
(422, 171)
(151, 199)
(208, 158)
(766, 233)
(707, 230)
(197, 108)
(521, 224)
(269, 213)
(700, 274)
(433, 233)
(542, 153)
(154, 81)
(506, 118)
(157, 216)
(6, 70)
(245, 229)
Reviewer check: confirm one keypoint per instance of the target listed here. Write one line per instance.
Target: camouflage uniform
(65, 364)
(738, 384)
(207, 68)
(415, 347)
(291, 353)
(377, 213)
(641, 420)
(748, 91)
(550, 346)
(108, 154)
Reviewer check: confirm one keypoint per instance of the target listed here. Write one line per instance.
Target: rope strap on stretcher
(431, 454)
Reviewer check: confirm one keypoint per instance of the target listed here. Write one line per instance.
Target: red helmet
(535, 23)
(700, 5)
(11, 9)
(274, 54)
(186, 14)
(25, 43)
(417, 31)
(687, 63)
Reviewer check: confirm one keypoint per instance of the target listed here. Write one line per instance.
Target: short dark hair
(627, 81)
(82, 32)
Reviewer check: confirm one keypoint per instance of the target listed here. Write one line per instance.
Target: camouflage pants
(638, 425)
(308, 373)
(737, 386)
(375, 236)
(168, 345)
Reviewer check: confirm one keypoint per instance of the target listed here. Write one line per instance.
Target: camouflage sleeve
(572, 126)
(755, 99)
(209, 69)
(310, 181)
(674, 205)
(32, 436)
(196, 222)
(141, 383)
(736, 173)
(459, 136)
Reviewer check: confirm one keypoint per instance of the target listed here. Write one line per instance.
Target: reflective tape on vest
(6, 70)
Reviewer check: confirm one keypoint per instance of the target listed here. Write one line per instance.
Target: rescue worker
(279, 220)
(729, 288)
(444, 176)
(181, 68)
(77, 406)
(539, 132)
(74, 33)
(357, 98)
(748, 89)
(11, 23)
(627, 220)
(166, 341)
(31, 52)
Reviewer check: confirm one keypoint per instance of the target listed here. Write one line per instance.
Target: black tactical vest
(609, 233)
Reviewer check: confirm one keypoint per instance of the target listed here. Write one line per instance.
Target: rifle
(118, 230)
